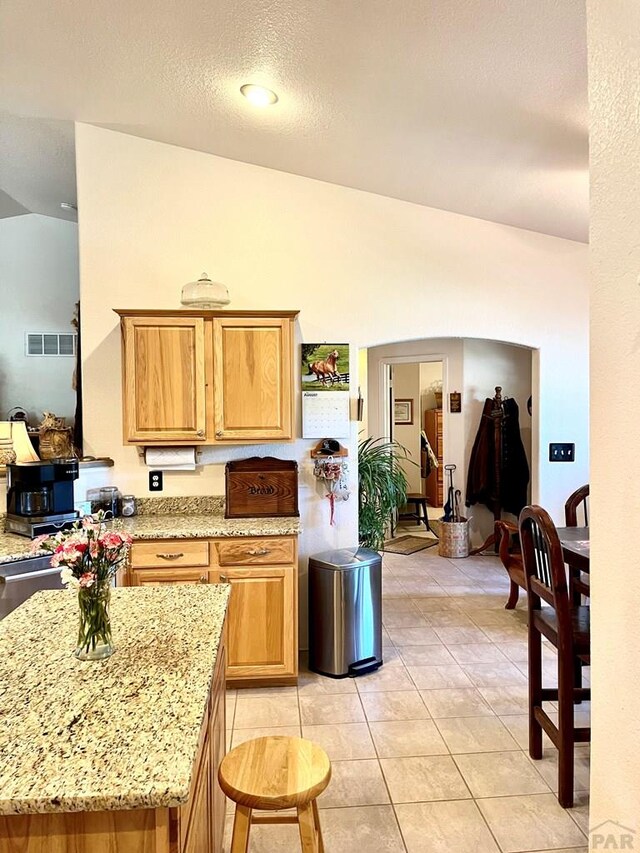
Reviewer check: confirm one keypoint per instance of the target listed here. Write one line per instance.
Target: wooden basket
(454, 538)
(261, 487)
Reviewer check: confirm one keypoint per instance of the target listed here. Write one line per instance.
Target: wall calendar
(325, 390)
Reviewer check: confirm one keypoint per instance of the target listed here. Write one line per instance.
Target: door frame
(384, 389)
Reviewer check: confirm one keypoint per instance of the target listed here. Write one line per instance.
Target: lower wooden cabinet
(262, 619)
(262, 623)
(199, 825)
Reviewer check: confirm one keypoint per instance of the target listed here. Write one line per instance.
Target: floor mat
(408, 544)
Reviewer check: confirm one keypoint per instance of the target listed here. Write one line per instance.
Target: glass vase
(94, 630)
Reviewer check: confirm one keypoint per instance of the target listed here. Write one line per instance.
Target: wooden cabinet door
(164, 379)
(253, 378)
(261, 621)
(153, 577)
(199, 833)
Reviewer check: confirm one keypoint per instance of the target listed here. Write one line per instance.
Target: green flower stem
(95, 625)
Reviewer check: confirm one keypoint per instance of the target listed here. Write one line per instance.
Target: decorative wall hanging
(455, 402)
(403, 412)
(325, 390)
(332, 471)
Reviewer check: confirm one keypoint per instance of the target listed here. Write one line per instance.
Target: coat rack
(498, 416)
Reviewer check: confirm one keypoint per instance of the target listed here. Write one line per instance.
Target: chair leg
(241, 829)
(307, 826)
(535, 689)
(316, 819)
(565, 732)
(514, 595)
(577, 678)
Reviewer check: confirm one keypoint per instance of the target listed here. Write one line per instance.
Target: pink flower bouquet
(89, 555)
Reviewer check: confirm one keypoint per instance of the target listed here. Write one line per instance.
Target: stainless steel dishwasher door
(19, 580)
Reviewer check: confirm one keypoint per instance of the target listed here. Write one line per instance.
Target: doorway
(471, 367)
(416, 423)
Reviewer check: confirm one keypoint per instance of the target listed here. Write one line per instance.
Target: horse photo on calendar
(325, 367)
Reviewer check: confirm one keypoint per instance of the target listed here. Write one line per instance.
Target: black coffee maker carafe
(40, 496)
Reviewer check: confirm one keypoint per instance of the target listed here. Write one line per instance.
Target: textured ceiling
(474, 106)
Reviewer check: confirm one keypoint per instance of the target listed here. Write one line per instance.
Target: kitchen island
(117, 756)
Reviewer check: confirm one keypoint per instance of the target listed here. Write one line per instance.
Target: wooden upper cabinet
(252, 378)
(207, 377)
(164, 379)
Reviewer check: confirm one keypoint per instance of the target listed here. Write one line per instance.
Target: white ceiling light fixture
(259, 96)
(67, 205)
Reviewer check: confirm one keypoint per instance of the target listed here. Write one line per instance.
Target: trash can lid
(345, 558)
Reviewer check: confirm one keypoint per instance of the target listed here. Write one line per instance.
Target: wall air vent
(50, 343)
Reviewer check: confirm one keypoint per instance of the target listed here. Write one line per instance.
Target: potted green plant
(382, 488)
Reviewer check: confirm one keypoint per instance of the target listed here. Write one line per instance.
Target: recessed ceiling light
(259, 96)
(67, 205)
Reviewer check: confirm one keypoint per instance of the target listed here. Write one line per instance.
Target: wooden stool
(272, 773)
(419, 502)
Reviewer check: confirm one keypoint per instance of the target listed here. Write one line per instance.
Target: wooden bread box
(261, 487)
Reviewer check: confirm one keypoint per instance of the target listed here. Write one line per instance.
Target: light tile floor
(429, 753)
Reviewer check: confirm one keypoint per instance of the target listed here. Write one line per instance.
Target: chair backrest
(577, 503)
(544, 570)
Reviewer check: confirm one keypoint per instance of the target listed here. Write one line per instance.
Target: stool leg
(316, 819)
(307, 826)
(241, 827)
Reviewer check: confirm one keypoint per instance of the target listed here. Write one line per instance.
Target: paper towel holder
(142, 449)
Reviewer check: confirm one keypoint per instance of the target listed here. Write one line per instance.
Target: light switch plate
(562, 452)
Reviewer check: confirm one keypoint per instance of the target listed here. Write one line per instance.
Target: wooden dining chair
(576, 514)
(567, 628)
(510, 555)
(575, 503)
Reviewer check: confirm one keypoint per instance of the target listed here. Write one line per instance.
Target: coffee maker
(40, 496)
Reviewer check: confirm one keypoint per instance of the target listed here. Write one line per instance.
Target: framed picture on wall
(403, 412)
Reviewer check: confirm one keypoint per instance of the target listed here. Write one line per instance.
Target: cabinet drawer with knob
(170, 554)
(249, 551)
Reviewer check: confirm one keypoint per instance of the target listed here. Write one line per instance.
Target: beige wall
(614, 90)
(362, 268)
(430, 373)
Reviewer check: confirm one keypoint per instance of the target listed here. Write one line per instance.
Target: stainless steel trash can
(345, 612)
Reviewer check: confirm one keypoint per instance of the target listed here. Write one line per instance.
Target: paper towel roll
(171, 458)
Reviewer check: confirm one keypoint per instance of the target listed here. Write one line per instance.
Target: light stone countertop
(179, 525)
(115, 734)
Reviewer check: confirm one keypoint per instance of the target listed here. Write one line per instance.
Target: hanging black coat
(511, 493)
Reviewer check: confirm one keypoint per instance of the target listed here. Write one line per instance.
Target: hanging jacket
(428, 459)
(482, 487)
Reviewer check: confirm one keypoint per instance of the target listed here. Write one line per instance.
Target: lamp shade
(205, 293)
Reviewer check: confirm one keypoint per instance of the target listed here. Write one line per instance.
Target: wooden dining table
(575, 550)
(575, 546)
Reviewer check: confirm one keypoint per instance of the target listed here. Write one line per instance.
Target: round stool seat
(274, 773)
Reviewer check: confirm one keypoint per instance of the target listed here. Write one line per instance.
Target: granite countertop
(204, 526)
(116, 734)
(179, 519)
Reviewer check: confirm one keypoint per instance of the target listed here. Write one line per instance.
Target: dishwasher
(21, 578)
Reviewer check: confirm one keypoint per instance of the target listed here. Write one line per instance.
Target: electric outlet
(155, 481)
(562, 453)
